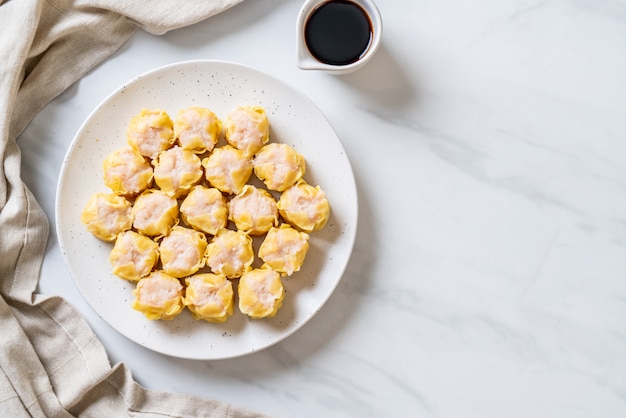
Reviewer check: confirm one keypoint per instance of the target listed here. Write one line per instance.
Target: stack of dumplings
(182, 212)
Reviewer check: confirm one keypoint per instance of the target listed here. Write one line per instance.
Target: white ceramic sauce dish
(308, 59)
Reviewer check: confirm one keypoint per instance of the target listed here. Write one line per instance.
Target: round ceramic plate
(220, 86)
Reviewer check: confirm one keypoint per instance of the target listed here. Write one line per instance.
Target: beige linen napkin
(51, 362)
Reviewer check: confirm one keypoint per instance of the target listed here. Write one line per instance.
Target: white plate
(220, 86)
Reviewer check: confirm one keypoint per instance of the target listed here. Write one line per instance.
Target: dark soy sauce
(338, 32)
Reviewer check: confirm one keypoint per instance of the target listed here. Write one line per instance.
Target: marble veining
(488, 277)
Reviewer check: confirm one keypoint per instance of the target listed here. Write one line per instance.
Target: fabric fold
(51, 362)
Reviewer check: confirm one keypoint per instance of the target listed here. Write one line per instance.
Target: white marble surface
(488, 278)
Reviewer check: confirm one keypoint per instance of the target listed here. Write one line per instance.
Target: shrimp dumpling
(126, 172)
(230, 253)
(197, 129)
(261, 293)
(205, 209)
(106, 215)
(279, 166)
(227, 169)
(158, 296)
(247, 129)
(133, 256)
(304, 206)
(284, 249)
(209, 297)
(253, 210)
(150, 132)
(177, 170)
(182, 251)
(154, 213)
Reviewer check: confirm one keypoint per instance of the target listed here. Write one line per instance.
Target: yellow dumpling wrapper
(253, 210)
(261, 293)
(247, 128)
(230, 253)
(106, 215)
(154, 213)
(182, 251)
(205, 209)
(279, 166)
(150, 132)
(197, 129)
(177, 170)
(209, 297)
(304, 206)
(158, 296)
(133, 256)
(284, 249)
(227, 169)
(126, 172)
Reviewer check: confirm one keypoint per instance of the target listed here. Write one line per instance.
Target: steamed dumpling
(304, 206)
(261, 293)
(106, 215)
(126, 172)
(284, 249)
(209, 297)
(227, 169)
(158, 296)
(247, 129)
(133, 255)
(279, 166)
(253, 210)
(182, 251)
(230, 253)
(150, 132)
(177, 170)
(197, 129)
(205, 209)
(154, 213)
